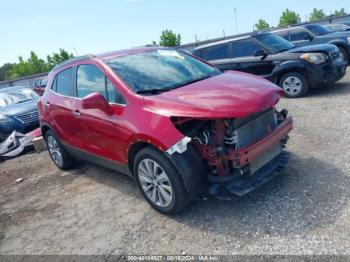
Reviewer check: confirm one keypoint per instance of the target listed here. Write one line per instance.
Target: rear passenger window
(91, 79)
(244, 47)
(64, 84)
(216, 52)
(298, 34)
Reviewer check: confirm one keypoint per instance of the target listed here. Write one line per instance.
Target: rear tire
(159, 181)
(294, 85)
(58, 153)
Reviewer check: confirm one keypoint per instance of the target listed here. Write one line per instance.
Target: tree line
(290, 17)
(33, 65)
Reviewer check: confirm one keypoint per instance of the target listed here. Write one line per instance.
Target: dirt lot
(92, 210)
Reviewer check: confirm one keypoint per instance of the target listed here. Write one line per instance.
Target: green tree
(340, 12)
(57, 58)
(289, 18)
(169, 38)
(6, 71)
(317, 14)
(261, 25)
(33, 65)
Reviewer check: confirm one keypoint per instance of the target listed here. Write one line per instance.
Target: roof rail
(74, 59)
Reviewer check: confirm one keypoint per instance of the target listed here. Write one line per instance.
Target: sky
(95, 26)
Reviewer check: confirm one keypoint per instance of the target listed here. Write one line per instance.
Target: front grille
(29, 117)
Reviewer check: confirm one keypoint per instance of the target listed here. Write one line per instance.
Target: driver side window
(91, 79)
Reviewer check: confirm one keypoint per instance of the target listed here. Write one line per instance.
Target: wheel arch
(44, 128)
(290, 68)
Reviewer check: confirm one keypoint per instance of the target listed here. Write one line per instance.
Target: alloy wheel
(155, 183)
(54, 150)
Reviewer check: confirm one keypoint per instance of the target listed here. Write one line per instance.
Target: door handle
(76, 113)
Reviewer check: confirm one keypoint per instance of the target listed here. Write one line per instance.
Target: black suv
(313, 34)
(274, 58)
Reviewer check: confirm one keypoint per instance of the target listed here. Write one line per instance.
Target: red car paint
(229, 95)
(110, 134)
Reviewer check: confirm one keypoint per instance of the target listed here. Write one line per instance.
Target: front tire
(58, 153)
(159, 181)
(344, 54)
(294, 85)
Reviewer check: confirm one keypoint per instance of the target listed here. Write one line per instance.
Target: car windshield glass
(16, 96)
(160, 70)
(274, 43)
(318, 29)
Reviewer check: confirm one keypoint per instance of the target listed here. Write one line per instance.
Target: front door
(103, 134)
(245, 60)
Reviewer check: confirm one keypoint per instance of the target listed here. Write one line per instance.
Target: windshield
(160, 70)
(318, 29)
(16, 96)
(274, 43)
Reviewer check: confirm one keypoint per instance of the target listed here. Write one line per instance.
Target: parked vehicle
(313, 34)
(18, 110)
(272, 57)
(337, 27)
(39, 86)
(174, 123)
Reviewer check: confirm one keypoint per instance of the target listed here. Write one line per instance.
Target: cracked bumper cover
(223, 187)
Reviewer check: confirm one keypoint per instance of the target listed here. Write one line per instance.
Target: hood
(228, 95)
(337, 34)
(18, 109)
(325, 48)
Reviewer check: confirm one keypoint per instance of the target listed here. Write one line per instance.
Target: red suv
(173, 122)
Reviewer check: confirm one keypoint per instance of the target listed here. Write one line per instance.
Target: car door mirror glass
(97, 101)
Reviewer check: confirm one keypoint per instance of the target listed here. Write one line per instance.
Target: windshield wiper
(158, 91)
(153, 91)
(23, 101)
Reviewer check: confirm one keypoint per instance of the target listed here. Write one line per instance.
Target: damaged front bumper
(258, 163)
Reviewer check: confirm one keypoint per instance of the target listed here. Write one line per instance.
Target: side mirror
(97, 101)
(261, 53)
(308, 37)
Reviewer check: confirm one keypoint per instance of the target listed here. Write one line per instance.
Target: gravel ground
(92, 210)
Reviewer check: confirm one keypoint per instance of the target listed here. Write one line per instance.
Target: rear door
(219, 55)
(60, 103)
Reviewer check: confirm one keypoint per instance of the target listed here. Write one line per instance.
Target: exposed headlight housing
(315, 58)
(349, 40)
(179, 147)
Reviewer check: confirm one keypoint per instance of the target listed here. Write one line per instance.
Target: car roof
(230, 40)
(12, 88)
(109, 55)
